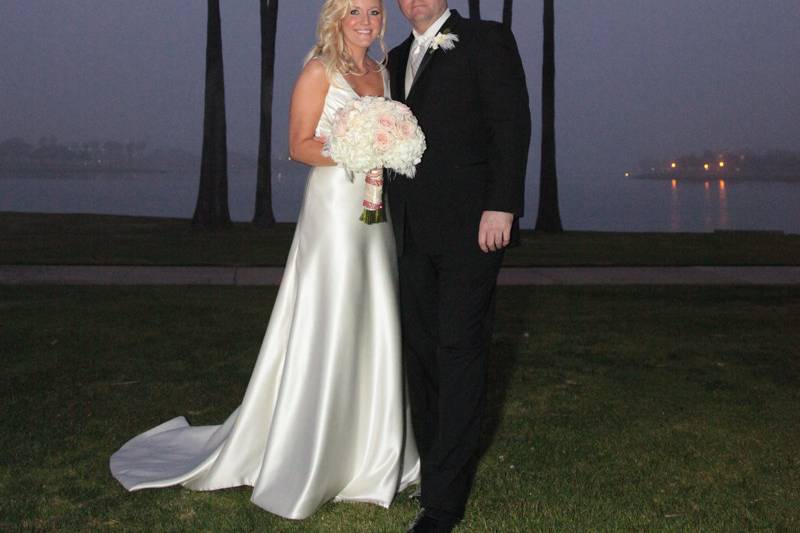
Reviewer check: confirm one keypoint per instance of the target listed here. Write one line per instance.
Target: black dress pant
(447, 308)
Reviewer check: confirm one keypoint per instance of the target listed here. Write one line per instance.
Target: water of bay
(603, 203)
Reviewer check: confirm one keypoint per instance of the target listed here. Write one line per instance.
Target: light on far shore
(674, 165)
(722, 184)
(706, 166)
(722, 164)
(674, 184)
(627, 174)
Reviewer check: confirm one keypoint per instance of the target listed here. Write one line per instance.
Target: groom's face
(422, 13)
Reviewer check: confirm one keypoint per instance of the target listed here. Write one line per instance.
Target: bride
(324, 415)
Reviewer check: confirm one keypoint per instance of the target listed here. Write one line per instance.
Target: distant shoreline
(28, 172)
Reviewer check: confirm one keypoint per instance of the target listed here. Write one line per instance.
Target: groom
(464, 81)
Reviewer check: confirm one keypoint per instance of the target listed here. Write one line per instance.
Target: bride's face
(363, 23)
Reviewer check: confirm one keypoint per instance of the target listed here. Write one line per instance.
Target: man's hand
(495, 230)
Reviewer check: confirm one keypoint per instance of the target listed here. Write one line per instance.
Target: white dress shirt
(420, 47)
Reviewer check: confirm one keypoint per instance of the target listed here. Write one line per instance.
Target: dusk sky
(634, 77)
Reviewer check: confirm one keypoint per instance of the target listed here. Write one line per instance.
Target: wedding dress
(324, 416)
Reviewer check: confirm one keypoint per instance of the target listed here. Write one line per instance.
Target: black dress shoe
(425, 523)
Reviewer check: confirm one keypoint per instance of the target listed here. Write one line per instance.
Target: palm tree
(548, 219)
(475, 9)
(264, 215)
(508, 10)
(212, 197)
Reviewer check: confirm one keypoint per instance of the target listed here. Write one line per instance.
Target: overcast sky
(634, 77)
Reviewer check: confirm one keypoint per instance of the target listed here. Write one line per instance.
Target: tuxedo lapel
(399, 73)
(449, 27)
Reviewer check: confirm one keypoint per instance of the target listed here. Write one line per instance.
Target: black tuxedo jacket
(472, 105)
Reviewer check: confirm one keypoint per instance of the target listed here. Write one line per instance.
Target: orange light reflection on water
(724, 220)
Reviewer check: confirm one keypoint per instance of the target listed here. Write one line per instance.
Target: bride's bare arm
(308, 100)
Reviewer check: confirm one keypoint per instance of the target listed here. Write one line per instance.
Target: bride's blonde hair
(331, 48)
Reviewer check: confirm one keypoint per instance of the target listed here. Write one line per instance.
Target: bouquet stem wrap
(373, 212)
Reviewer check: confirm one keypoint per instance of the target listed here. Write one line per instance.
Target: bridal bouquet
(372, 133)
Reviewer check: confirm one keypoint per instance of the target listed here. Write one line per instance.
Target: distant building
(732, 164)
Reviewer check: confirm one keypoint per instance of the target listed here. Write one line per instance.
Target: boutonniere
(444, 40)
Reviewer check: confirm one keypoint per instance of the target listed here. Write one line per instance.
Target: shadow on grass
(508, 337)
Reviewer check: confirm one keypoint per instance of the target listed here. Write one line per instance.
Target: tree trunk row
(264, 216)
(211, 210)
(508, 12)
(548, 218)
(475, 9)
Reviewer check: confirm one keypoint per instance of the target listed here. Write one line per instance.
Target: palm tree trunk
(475, 9)
(548, 219)
(508, 11)
(264, 215)
(212, 198)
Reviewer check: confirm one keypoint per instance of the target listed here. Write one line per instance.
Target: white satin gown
(324, 416)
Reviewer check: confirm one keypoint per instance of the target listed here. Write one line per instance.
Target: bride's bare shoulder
(314, 72)
(312, 85)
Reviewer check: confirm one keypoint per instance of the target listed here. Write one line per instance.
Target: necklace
(367, 70)
(359, 74)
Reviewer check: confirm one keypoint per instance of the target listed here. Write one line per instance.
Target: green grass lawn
(611, 409)
(117, 240)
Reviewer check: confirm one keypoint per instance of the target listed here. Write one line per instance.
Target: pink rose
(406, 130)
(386, 121)
(382, 141)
